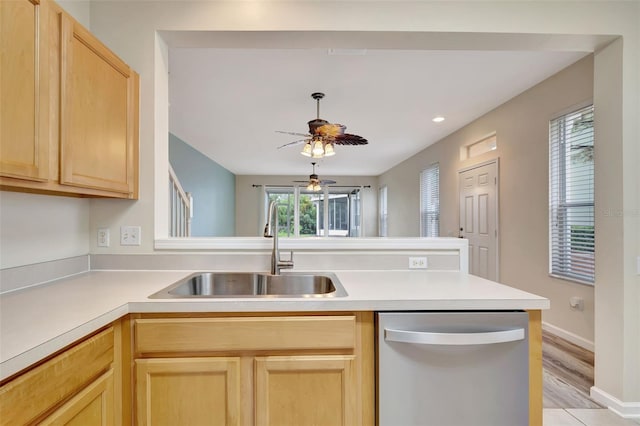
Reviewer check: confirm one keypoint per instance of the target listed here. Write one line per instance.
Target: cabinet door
(23, 84)
(98, 116)
(188, 391)
(93, 406)
(33, 394)
(306, 390)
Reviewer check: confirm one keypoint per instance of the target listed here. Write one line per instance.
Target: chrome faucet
(271, 231)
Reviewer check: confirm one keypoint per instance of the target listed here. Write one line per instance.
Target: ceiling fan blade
(292, 143)
(294, 133)
(349, 139)
(301, 181)
(327, 182)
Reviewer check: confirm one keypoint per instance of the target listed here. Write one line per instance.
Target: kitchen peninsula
(43, 322)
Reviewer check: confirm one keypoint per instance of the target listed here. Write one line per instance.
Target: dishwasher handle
(433, 338)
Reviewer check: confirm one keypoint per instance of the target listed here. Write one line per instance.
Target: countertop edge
(26, 359)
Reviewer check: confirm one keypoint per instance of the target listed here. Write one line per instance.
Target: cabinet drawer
(41, 389)
(94, 405)
(244, 334)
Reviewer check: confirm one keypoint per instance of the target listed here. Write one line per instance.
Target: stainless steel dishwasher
(453, 368)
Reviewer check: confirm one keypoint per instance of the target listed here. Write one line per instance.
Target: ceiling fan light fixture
(324, 135)
(328, 150)
(306, 151)
(318, 148)
(315, 184)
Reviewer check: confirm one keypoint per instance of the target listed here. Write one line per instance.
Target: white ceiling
(228, 102)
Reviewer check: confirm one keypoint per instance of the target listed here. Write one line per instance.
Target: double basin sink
(253, 284)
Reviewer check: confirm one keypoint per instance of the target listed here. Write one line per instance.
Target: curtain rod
(293, 186)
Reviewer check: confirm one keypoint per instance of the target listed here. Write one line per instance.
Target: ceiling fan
(314, 183)
(323, 135)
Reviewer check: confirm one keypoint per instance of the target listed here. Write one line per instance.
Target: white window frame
(572, 221)
(430, 201)
(283, 190)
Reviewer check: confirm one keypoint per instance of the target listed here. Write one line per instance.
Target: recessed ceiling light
(438, 119)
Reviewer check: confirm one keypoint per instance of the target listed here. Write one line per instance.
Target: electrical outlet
(576, 303)
(417, 263)
(129, 235)
(103, 237)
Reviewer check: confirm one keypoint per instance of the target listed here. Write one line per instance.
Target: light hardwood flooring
(567, 374)
(567, 378)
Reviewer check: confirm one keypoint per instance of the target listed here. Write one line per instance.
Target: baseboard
(569, 336)
(628, 410)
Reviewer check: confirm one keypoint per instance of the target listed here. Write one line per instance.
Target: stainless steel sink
(253, 284)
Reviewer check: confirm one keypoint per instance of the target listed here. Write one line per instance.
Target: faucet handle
(285, 264)
(290, 257)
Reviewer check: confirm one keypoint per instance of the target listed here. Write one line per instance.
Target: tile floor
(584, 417)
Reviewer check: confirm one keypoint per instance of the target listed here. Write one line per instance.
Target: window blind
(571, 196)
(430, 201)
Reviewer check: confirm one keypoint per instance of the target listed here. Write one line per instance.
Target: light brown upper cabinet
(98, 94)
(76, 133)
(24, 150)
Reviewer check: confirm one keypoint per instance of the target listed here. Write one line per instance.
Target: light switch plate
(129, 235)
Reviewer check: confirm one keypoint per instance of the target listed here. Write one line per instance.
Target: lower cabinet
(217, 369)
(94, 405)
(74, 387)
(306, 390)
(188, 391)
(264, 370)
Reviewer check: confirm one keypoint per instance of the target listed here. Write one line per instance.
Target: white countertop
(40, 320)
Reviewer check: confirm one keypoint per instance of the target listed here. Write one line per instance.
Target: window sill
(573, 280)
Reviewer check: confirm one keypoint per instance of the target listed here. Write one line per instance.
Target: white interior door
(478, 190)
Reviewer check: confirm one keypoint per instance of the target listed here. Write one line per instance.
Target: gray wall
(522, 130)
(212, 187)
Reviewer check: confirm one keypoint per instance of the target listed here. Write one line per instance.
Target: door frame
(495, 161)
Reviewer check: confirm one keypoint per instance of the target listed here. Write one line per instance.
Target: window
(306, 218)
(286, 219)
(308, 214)
(382, 212)
(487, 144)
(430, 201)
(338, 217)
(571, 196)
